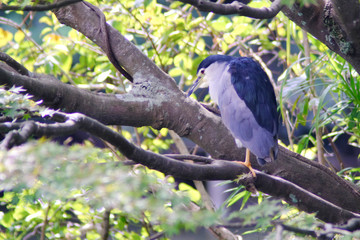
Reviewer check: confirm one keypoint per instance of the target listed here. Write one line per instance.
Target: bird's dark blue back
(253, 86)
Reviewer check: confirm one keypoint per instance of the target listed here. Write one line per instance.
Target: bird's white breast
(218, 77)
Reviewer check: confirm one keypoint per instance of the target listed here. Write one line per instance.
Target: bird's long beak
(195, 85)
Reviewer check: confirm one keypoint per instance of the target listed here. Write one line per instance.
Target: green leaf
(103, 76)
(222, 24)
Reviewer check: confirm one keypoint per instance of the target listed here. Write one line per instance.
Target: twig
(156, 236)
(106, 225)
(19, 27)
(216, 170)
(279, 231)
(297, 230)
(194, 158)
(335, 149)
(198, 184)
(318, 130)
(47, 7)
(219, 231)
(32, 234)
(147, 33)
(46, 221)
(237, 8)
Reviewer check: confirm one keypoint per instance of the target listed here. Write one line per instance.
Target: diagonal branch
(298, 180)
(155, 100)
(215, 170)
(124, 109)
(237, 8)
(108, 47)
(47, 7)
(347, 12)
(14, 64)
(87, 21)
(333, 22)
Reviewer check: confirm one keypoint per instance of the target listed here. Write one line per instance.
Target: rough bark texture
(336, 23)
(155, 100)
(189, 119)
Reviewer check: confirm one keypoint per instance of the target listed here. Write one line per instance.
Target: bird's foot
(248, 181)
(248, 165)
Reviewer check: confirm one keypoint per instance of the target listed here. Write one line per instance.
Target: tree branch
(85, 20)
(108, 47)
(106, 225)
(124, 109)
(14, 64)
(348, 16)
(155, 100)
(330, 23)
(47, 7)
(237, 8)
(352, 225)
(215, 170)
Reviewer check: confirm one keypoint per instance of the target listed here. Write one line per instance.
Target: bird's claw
(248, 165)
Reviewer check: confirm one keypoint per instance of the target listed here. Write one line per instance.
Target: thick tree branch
(85, 20)
(331, 22)
(15, 138)
(155, 100)
(293, 167)
(237, 8)
(124, 109)
(215, 170)
(347, 15)
(47, 7)
(108, 47)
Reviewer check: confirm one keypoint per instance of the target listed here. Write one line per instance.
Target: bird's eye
(202, 71)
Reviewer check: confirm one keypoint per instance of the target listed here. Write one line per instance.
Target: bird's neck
(218, 77)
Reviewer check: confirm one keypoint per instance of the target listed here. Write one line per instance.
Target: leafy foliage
(322, 87)
(82, 182)
(72, 187)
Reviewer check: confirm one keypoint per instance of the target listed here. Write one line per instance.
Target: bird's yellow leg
(247, 162)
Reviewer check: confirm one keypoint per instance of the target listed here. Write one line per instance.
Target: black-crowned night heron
(247, 103)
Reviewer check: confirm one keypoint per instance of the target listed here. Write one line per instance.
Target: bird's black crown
(214, 58)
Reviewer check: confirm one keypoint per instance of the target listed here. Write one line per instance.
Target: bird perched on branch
(247, 103)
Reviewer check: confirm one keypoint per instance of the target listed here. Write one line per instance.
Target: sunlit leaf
(5, 37)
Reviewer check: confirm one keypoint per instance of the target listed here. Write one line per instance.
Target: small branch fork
(237, 8)
(212, 169)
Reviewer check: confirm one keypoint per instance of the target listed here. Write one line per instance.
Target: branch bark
(214, 170)
(14, 64)
(39, 7)
(155, 100)
(237, 8)
(129, 108)
(198, 124)
(335, 23)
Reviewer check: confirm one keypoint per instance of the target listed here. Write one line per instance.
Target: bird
(247, 103)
